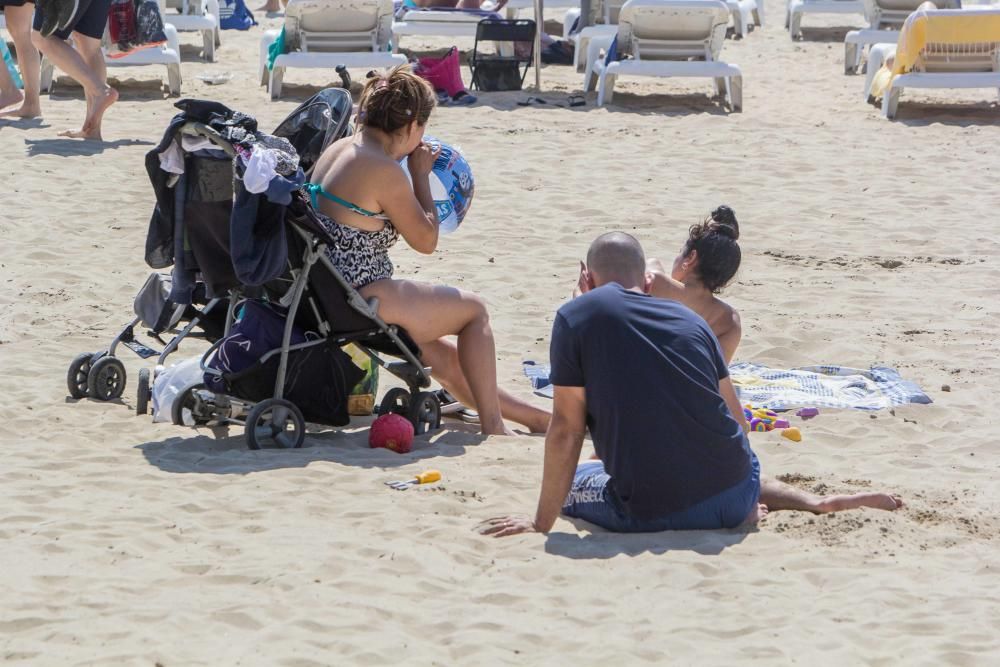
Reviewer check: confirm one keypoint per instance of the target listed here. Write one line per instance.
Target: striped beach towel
(811, 386)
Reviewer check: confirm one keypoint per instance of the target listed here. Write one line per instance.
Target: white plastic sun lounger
(322, 34)
(167, 56)
(795, 9)
(196, 16)
(885, 18)
(943, 65)
(423, 22)
(667, 38)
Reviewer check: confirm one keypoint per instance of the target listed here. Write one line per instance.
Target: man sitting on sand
(84, 60)
(647, 377)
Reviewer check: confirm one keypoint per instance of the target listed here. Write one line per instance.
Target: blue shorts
(590, 500)
(90, 19)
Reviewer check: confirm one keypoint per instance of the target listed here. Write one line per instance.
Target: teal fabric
(316, 189)
(8, 62)
(276, 49)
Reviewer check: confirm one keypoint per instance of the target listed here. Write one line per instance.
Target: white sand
(125, 542)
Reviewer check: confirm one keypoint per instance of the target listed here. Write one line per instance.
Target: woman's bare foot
(10, 99)
(881, 501)
(756, 514)
(24, 111)
(96, 107)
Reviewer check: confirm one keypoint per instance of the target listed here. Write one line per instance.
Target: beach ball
(452, 185)
(393, 432)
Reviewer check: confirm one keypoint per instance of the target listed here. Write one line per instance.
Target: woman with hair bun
(707, 262)
(366, 202)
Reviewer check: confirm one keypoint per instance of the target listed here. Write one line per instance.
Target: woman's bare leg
(28, 60)
(430, 312)
(82, 64)
(442, 356)
(780, 496)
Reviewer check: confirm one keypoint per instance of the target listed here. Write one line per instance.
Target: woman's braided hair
(394, 99)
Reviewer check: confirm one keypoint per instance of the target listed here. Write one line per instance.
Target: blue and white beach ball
(452, 185)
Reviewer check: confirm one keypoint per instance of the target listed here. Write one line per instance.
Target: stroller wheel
(425, 412)
(275, 422)
(106, 379)
(188, 402)
(142, 393)
(76, 378)
(396, 400)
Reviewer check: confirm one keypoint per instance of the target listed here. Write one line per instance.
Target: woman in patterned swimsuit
(367, 201)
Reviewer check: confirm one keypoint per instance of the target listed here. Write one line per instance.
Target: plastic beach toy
(452, 185)
(426, 477)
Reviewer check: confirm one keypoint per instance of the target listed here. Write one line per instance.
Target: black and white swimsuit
(361, 256)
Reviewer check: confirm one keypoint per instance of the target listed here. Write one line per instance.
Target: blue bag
(234, 15)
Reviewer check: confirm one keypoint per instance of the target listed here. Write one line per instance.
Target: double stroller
(305, 308)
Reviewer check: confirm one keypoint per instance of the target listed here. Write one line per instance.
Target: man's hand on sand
(513, 524)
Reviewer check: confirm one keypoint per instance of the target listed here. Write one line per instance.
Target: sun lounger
(438, 23)
(667, 38)
(167, 55)
(945, 48)
(325, 33)
(885, 18)
(745, 14)
(795, 9)
(196, 16)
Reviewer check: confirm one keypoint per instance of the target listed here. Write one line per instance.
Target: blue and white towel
(812, 386)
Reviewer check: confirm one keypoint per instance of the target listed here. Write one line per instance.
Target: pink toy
(393, 432)
(807, 413)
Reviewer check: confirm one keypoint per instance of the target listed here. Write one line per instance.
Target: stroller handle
(202, 130)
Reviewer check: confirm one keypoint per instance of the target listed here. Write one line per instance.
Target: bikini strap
(316, 189)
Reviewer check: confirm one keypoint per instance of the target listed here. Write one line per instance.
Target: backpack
(234, 15)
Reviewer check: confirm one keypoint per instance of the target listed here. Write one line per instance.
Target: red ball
(393, 432)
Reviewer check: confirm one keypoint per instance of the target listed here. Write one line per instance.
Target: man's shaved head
(617, 257)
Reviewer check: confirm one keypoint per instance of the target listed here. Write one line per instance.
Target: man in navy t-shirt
(648, 379)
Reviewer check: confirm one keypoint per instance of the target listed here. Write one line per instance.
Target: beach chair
(327, 33)
(196, 16)
(666, 38)
(885, 18)
(503, 69)
(168, 55)
(795, 9)
(945, 48)
(438, 23)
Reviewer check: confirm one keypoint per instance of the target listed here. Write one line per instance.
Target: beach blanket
(812, 386)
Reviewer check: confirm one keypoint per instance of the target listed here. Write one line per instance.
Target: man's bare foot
(756, 514)
(24, 111)
(96, 107)
(880, 501)
(10, 99)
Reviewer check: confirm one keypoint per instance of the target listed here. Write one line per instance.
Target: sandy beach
(865, 242)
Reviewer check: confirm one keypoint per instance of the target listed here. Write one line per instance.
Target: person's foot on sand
(881, 501)
(24, 111)
(10, 99)
(756, 514)
(95, 113)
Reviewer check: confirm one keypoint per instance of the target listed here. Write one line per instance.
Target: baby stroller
(305, 377)
(101, 375)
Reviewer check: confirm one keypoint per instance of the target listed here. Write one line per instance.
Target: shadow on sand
(602, 544)
(224, 451)
(67, 147)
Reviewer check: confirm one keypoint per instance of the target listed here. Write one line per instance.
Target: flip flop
(463, 99)
(577, 100)
(531, 100)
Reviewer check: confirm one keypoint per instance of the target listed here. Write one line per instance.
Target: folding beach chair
(506, 68)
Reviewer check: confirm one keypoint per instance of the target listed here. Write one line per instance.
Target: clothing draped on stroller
(264, 250)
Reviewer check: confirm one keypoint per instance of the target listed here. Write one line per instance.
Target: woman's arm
(411, 209)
